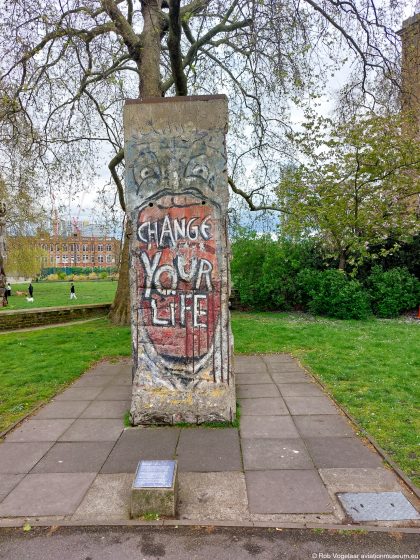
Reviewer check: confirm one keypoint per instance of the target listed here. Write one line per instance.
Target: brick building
(84, 246)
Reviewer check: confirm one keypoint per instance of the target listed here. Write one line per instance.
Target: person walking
(72, 291)
(31, 293)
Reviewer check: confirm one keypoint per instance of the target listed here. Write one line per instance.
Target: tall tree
(68, 65)
(354, 185)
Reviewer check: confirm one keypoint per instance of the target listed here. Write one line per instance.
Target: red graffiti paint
(178, 277)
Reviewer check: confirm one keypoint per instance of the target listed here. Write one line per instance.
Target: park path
(74, 461)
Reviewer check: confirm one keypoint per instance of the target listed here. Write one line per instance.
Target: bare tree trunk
(120, 309)
(148, 65)
(342, 261)
(3, 298)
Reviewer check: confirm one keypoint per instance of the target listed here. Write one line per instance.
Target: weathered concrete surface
(161, 501)
(177, 198)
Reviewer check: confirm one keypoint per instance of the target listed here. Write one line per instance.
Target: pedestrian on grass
(72, 291)
(31, 290)
(8, 290)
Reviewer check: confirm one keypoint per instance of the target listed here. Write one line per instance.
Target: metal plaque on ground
(154, 474)
(380, 506)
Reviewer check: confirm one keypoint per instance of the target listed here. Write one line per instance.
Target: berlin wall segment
(177, 198)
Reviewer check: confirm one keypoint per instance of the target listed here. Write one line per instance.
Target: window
(51, 260)
(100, 259)
(85, 258)
(57, 258)
(65, 259)
(109, 258)
(72, 247)
(109, 247)
(72, 259)
(78, 258)
(85, 248)
(65, 247)
(51, 247)
(100, 247)
(92, 259)
(57, 247)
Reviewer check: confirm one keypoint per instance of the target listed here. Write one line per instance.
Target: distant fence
(24, 318)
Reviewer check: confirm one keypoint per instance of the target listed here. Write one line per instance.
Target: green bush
(333, 294)
(392, 291)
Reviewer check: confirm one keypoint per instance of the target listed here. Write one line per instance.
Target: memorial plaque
(154, 474)
(177, 199)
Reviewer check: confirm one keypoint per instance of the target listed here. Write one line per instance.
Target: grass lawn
(52, 294)
(370, 367)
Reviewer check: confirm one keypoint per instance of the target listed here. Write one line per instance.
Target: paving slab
(212, 495)
(251, 368)
(252, 378)
(78, 457)
(122, 380)
(136, 444)
(62, 409)
(107, 499)
(105, 368)
(115, 393)
(341, 452)
(209, 450)
(256, 391)
(274, 454)
(46, 494)
(268, 427)
(86, 429)
(287, 491)
(106, 409)
(310, 405)
(40, 430)
(79, 394)
(263, 407)
(359, 480)
(290, 377)
(323, 425)
(8, 482)
(309, 389)
(278, 359)
(93, 381)
(18, 458)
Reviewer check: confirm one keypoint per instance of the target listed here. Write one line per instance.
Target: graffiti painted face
(176, 261)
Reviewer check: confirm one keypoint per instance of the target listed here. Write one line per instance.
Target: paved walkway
(75, 461)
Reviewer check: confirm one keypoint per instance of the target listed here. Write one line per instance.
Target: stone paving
(75, 461)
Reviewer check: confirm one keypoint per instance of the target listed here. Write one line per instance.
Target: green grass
(370, 367)
(52, 294)
(36, 365)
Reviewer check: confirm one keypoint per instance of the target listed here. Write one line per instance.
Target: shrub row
(272, 275)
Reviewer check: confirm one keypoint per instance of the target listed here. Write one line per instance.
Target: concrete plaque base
(154, 490)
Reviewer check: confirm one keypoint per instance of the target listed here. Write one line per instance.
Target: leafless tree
(68, 65)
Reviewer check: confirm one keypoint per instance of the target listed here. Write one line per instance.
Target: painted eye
(146, 172)
(200, 171)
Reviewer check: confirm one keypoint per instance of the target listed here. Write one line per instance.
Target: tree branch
(112, 166)
(248, 199)
(174, 46)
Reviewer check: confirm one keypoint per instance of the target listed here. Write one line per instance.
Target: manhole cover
(381, 506)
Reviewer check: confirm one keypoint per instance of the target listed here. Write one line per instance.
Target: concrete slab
(257, 391)
(273, 454)
(40, 430)
(74, 457)
(212, 495)
(255, 427)
(341, 452)
(105, 368)
(290, 377)
(107, 499)
(46, 494)
(275, 359)
(62, 409)
(263, 407)
(85, 429)
(8, 482)
(209, 450)
(115, 393)
(106, 409)
(251, 368)
(122, 380)
(287, 491)
(141, 443)
(79, 394)
(359, 480)
(310, 405)
(309, 389)
(93, 381)
(18, 458)
(252, 378)
(323, 425)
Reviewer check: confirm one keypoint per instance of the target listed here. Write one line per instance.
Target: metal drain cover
(381, 506)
